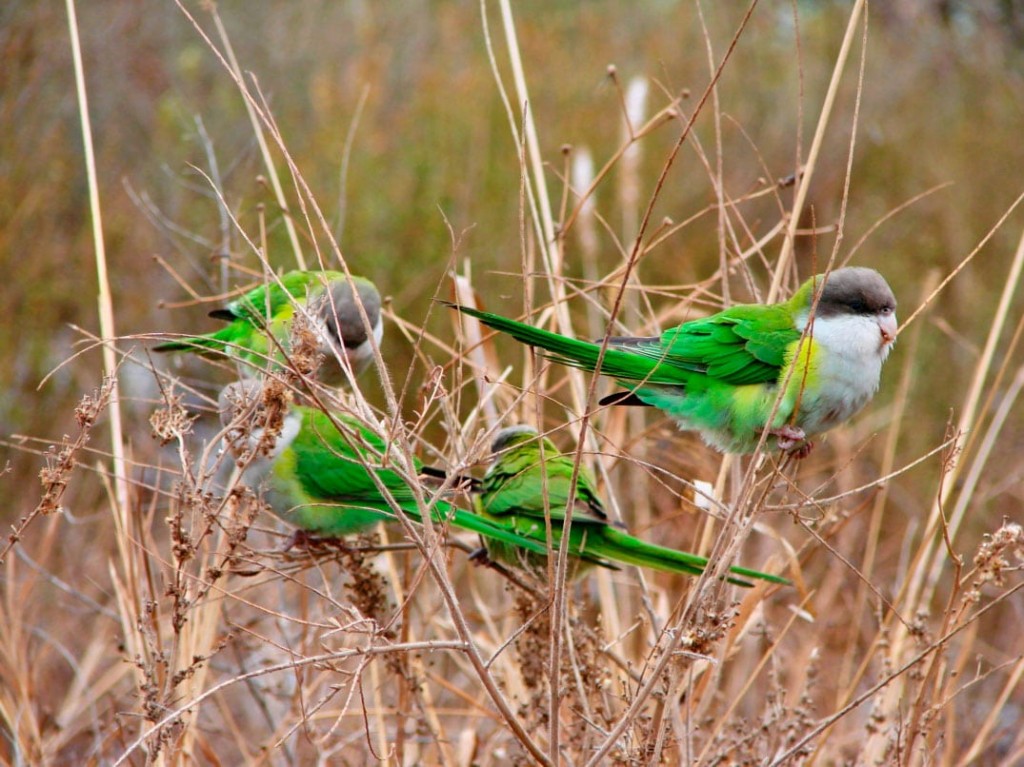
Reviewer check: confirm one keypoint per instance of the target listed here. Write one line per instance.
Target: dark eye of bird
(332, 331)
(859, 306)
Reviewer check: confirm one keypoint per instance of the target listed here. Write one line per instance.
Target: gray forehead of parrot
(855, 290)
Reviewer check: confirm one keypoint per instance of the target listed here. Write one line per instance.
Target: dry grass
(156, 616)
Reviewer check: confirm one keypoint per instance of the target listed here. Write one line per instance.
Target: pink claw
(792, 440)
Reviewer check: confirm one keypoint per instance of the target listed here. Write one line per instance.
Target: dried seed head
(172, 421)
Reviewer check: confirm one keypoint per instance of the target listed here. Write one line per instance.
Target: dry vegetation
(149, 609)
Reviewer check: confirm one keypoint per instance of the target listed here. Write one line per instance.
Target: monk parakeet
(530, 481)
(722, 375)
(268, 309)
(327, 474)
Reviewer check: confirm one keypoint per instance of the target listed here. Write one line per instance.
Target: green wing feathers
(270, 299)
(265, 307)
(337, 455)
(214, 343)
(743, 345)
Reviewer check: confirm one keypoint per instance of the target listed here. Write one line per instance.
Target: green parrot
(530, 481)
(324, 473)
(722, 375)
(268, 309)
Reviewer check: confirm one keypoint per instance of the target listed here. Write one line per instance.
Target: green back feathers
(272, 299)
(533, 478)
(268, 306)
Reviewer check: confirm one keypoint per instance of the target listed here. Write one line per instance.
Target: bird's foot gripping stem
(480, 557)
(793, 441)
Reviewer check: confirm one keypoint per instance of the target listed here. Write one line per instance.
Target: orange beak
(887, 327)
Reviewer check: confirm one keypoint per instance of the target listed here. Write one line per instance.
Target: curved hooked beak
(887, 327)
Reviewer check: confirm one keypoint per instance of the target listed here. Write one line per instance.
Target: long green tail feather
(612, 545)
(622, 547)
(625, 548)
(617, 363)
(474, 523)
(444, 513)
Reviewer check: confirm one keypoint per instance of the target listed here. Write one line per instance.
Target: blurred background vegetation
(407, 87)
